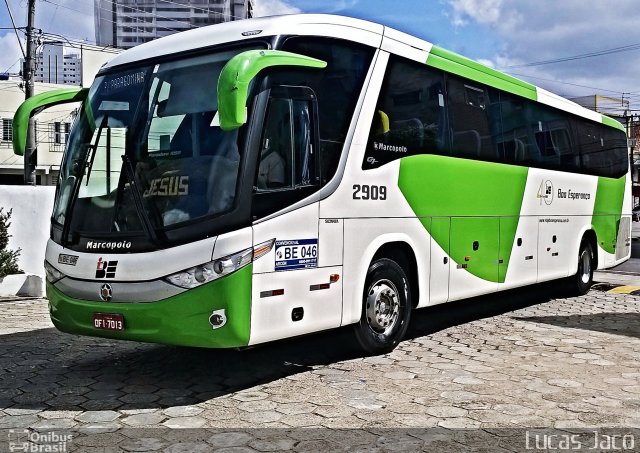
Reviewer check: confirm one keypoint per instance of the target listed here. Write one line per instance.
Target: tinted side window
(474, 117)
(537, 136)
(337, 87)
(410, 117)
(616, 144)
(603, 150)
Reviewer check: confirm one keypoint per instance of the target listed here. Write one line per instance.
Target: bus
(267, 178)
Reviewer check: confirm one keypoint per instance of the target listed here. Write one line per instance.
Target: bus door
(474, 248)
(293, 292)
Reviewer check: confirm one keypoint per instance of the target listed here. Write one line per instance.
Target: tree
(8, 258)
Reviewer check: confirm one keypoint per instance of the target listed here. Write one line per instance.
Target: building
(127, 23)
(52, 133)
(58, 64)
(53, 124)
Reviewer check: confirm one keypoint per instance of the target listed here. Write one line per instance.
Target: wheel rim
(585, 266)
(383, 307)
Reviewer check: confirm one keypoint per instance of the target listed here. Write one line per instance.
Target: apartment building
(127, 23)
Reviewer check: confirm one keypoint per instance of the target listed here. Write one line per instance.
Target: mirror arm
(36, 104)
(237, 74)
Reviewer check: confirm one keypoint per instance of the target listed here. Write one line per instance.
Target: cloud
(273, 8)
(340, 5)
(486, 12)
(548, 29)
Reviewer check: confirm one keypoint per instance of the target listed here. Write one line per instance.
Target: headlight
(204, 273)
(53, 274)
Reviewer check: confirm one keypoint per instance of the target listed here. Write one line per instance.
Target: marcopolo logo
(106, 269)
(97, 245)
(391, 148)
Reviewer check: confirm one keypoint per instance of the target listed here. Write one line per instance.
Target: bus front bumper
(178, 320)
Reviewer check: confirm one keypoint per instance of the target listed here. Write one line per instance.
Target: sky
(509, 35)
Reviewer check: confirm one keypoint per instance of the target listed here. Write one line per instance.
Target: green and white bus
(262, 179)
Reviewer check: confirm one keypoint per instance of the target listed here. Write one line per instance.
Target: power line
(598, 53)
(568, 83)
(15, 29)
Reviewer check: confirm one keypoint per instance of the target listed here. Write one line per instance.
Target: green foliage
(8, 258)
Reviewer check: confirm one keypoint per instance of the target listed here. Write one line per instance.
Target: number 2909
(367, 192)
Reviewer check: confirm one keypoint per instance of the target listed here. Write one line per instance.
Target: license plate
(108, 321)
(296, 254)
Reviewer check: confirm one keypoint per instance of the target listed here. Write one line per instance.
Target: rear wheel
(583, 279)
(386, 307)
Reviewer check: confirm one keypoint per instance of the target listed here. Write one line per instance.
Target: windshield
(147, 152)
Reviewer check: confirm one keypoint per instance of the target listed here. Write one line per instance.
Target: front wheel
(386, 307)
(583, 279)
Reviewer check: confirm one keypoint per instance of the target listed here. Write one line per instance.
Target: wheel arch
(377, 247)
(590, 235)
(403, 254)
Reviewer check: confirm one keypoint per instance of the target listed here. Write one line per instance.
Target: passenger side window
(410, 117)
(337, 88)
(473, 119)
(276, 154)
(288, 162)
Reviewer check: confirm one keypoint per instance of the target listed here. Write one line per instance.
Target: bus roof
(357, 30)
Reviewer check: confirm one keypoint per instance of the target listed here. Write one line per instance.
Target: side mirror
(36, 104)
(237, 74)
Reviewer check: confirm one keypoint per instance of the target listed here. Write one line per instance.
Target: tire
(386, 307)
(581, 282)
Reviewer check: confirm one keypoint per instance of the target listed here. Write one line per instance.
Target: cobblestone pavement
(519, 359)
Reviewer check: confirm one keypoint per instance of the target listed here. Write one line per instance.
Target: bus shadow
(627, 324)
(47, 369)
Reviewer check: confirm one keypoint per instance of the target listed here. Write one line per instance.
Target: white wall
(32, 207)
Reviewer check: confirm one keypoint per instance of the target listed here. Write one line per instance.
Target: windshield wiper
(94, 147)
(137, 199)
(79, 170)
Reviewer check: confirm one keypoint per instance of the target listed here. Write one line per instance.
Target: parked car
(635, 214)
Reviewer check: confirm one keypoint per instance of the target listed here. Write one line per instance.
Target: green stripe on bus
(607, 210)
(457, 64)
(178, 320)
(484, 199)
(613, 123)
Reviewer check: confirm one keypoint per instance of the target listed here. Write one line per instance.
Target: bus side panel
(607, 212)
(523, 263)
(562, 204)
(300, 308)
(440, 263)
(476, 241)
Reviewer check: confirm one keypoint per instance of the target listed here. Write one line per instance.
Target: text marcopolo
(97, 245)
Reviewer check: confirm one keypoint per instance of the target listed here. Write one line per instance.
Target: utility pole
(28, 73)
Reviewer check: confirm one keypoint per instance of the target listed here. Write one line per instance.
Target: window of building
(7, 132)
(61, 132)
